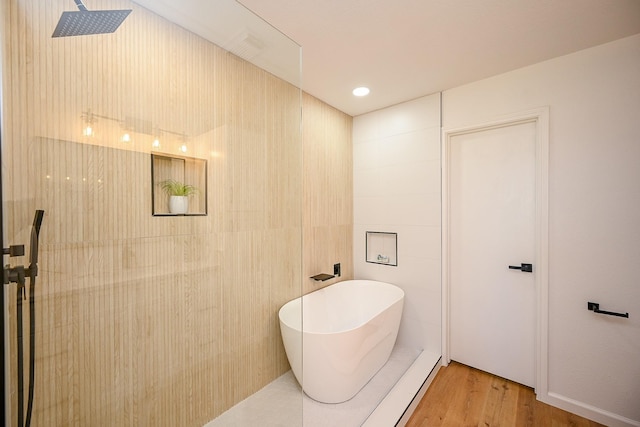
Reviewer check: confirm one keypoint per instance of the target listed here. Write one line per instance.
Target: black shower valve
(14, 275)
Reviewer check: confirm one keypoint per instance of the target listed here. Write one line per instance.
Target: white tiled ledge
(396, 408)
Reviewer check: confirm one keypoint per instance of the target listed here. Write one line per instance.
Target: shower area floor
(282, 403)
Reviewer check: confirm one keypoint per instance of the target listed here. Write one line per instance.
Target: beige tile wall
(328, 192)
(162, 321)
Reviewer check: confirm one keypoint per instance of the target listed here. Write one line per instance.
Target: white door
(491, 227)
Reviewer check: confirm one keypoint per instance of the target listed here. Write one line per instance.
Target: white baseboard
(587, 411)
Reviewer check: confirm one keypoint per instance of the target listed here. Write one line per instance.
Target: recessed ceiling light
(361, 91)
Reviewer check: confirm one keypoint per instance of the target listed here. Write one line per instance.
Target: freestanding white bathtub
(338, 337)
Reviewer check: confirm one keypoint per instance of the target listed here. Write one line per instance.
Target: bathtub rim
(298, 301)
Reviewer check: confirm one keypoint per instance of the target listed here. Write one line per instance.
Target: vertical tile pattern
(397, 189)
(328, 192)
(141, 320)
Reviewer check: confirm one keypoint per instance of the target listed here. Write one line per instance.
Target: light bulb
(361, 91)
(88, 131)
(183, 148)
(126, 138)
(156, 142)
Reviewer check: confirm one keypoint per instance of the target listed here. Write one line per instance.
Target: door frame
(539, 116)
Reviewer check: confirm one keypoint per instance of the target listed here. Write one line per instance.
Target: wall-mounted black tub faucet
(322, 277)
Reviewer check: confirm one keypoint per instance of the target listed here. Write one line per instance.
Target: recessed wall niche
(382, 248)
(178, 185)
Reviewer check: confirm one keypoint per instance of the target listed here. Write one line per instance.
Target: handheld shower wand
(33, 272)
(35, 235)
(18, 275)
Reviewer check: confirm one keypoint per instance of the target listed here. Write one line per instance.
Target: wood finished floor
(461, 396)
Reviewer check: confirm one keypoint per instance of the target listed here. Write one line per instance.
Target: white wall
(396, 174)
(594, 216)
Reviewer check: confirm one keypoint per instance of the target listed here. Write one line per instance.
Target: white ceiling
(401, 49)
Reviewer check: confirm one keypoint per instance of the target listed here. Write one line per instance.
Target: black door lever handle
(528, 268)
(595, 307)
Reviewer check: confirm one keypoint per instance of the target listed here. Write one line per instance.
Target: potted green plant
(178, 193)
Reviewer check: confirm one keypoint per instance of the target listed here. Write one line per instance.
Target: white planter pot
(178, 204)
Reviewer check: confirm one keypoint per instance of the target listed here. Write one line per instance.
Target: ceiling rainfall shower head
(86, 22)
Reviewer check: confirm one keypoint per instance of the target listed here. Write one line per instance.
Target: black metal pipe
(81, 6)
(20, 350)
(3, 379)
(33, 272)
(32, 348)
